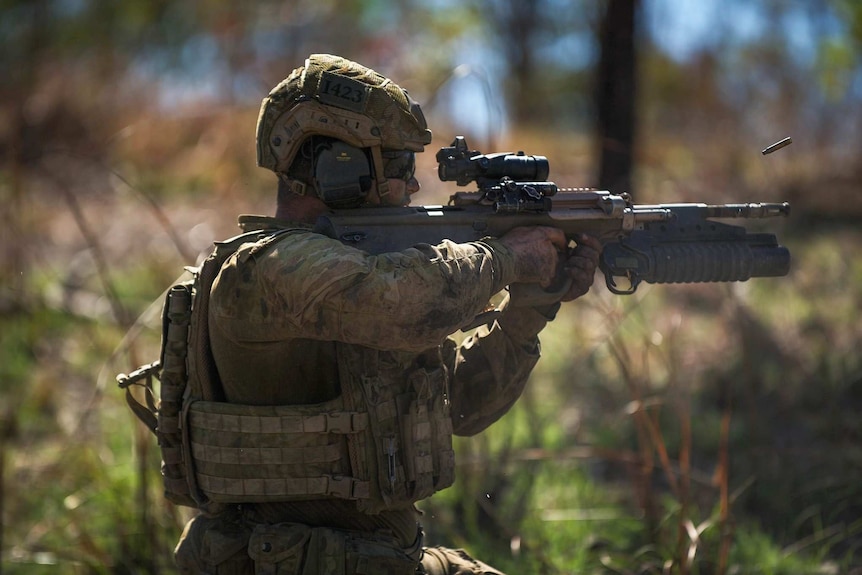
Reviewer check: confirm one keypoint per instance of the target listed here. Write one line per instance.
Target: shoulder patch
(343, 92)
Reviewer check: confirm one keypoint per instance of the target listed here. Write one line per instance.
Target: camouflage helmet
(332, 96)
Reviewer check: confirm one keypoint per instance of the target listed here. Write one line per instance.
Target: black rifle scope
(460, 164)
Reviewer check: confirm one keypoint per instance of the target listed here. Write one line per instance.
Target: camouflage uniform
(274, 320)
(304, 323)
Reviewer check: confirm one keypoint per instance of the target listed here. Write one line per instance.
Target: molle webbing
(173, 383)
(165, 420)
(245, 453)
(407, 452)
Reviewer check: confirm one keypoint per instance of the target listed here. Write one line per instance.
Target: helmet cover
(335, 97)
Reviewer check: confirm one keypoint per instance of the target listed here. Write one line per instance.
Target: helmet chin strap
(296, 187)
(380, 178)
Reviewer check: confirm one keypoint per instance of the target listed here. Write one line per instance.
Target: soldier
(343, 387)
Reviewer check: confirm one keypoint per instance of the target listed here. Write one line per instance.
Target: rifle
(662, 243)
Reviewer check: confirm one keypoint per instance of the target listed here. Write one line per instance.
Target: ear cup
(342, 174)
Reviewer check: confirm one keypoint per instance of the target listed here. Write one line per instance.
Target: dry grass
(677, 415)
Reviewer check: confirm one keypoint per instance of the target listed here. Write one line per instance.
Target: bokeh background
(684, 429)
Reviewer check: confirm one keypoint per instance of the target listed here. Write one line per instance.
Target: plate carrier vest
(385, 442)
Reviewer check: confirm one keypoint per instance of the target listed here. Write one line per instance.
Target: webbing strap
(145, 413)
(379, 172)
(239, 456)
(237, 490)
(262, 452)
(265, 419)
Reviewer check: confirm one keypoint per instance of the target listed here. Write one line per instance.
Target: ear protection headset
(342, 174)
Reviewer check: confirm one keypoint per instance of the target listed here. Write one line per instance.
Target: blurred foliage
(687, 429)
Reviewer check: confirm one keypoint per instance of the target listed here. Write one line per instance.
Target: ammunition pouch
(294, 549)
(408, 452)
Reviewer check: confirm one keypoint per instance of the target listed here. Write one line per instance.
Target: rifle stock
(663, 243)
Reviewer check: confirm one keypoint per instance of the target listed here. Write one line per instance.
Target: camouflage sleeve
(490, 369)
(309, 286)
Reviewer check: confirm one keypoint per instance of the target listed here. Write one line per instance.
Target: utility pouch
(364, 557)
(164, 418)
(177, 316)
(426, 434)
(224, 549)
(295, 549)
(214, 546)
(279, 549)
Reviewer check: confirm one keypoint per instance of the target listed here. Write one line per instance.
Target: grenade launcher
(663, 243)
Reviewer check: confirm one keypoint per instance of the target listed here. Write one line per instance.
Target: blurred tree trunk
(518, 23)
(520, 28)
(615, 94)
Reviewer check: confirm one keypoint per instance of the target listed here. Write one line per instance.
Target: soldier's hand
(581, 266)
(537, 251)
